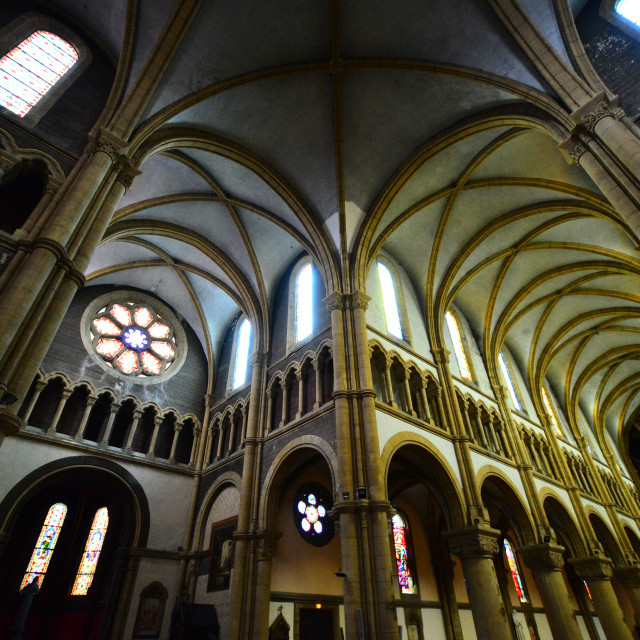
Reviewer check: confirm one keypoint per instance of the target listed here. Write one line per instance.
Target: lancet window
(458, 346)
(390, 301)
(403, 557)
(91, 553)
(512, 561)
(548, 405)
(629, 9)
(511, 384)
(243, 344)
(304, 303)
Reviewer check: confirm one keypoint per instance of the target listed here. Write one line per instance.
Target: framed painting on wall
(221, 549)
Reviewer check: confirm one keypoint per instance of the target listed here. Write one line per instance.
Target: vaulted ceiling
(343, 127)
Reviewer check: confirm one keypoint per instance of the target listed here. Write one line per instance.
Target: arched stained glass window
(45, 545)
(513, 568)
(390, 301)
(458, 347)
(304, 302)
(629, 9)
(550, 410)
(506, 374)
(401, 545)
(242, 354)
(91, 553)
(32, 68)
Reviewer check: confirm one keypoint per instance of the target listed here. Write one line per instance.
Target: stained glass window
(45, 545)
(304, 302)
(458, 347)
(506, 374)
(586, 586)
(242, 354)
(133, 339)
(311, 506)
(400, 542)
(389, 301)
(91, 553)
(550, 410)
(32, 68)
(513, 567)
(629, 9)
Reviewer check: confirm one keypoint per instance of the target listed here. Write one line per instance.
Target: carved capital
(104, 141)
(91, 400)
(334, 301)
(127, 174)
(115, 407)
(440, 355)
(596, 109)
(592, 568)
(573, 148)
(266, 544)
(542, 557)
(481, 541)
(51, 187)
(360, 300)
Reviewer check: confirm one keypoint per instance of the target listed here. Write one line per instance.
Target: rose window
(133, 338)
(311, 507)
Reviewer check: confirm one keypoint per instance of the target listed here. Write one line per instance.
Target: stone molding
(592, 568)
(360, 300)
(102, 140)
(334, 301)
(542, 557)
(599, 107)
(472, 542)
(574, 148)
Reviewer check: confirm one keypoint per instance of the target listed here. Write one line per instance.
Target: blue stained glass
(400, 534)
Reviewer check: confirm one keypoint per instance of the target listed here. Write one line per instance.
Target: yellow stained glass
(91, 553)
(45, 545)
(108, 347)
(128, 361)
(106, 327)
(159, 330)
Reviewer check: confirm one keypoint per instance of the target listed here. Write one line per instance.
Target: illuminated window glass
(32, 68)
(45, 545)
(304, 303)
(586, 586)
(513, 567)
(389, 301)
(242, 354)
(549, 408)
(91, 553)
(629, 9)
(458, 347)
(400, 543)
(311, 507)
(506, 374)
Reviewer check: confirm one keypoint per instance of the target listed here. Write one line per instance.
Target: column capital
(209, 400)
(115, 407)
(102, 140)
(266, 544)
(599, 107)
(67, 393)
(573, 148)
(440, 355)
(592, 568)
(137, 413)
(91, 400)
(470, 542)
(542, 557)
(127, 173)
(334, 301)
(360, 300)
(627, 576)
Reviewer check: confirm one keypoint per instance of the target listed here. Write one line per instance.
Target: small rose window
(133, 338)
(311, 506)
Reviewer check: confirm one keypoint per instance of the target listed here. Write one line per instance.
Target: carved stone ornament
(105, 142)
(440, 355)
(127, 175)
(360, 300)
(628, 577)
(334, 301)
(592, 568)
(542, 557)
(573, 148)
(474, 542)
(266, 544)
(595, 110)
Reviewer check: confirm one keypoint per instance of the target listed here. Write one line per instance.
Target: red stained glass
(150, 363)
(163, 349)
(128, 361)
(143, 316)
(159, 330)
(121, 314)
(108, 347)
(513, 567)
(91, 553)
(400, 534)
(106, 327)
(45, 545)
(32, 68)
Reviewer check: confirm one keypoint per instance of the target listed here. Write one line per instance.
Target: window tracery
(32, 68)
(43, 551)
(401, 545)
(91, 553)
(629, 9)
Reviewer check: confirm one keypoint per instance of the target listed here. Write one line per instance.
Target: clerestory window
(31, 69)
(404, 560)
(390, 301)
(550, 409)
(304, 302)
(512, 561)
(91, 554)
(629, 9)
(458, 346)
(242, 347)
(511, 383)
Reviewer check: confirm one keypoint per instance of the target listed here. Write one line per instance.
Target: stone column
(157, 421)
(443, 420)
(197, 433)
(244, 425)
(232, 434)
(91, 400)
(476, 547)
(221, 430)
(40, 385)
(285, 403)
(266, 544)
(467, 422)
(597, 573)
(407, 394)
(211, 431)
(137, 414)
(546, 562)
(481, 431)
(269, 419)
(425, 402)
(388, 384)
(176, 434)
(300, 380)
(316, 367)
(107, 432)
(63, 401)
(629, 578)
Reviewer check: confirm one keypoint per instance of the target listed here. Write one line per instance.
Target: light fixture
(318, 605)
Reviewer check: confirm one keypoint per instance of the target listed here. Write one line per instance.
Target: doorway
(316, 624)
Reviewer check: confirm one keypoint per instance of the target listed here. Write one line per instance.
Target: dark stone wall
(70, 119)
(614, 55)
(184, 391)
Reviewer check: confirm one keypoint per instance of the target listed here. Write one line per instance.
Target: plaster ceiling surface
(416, 127)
